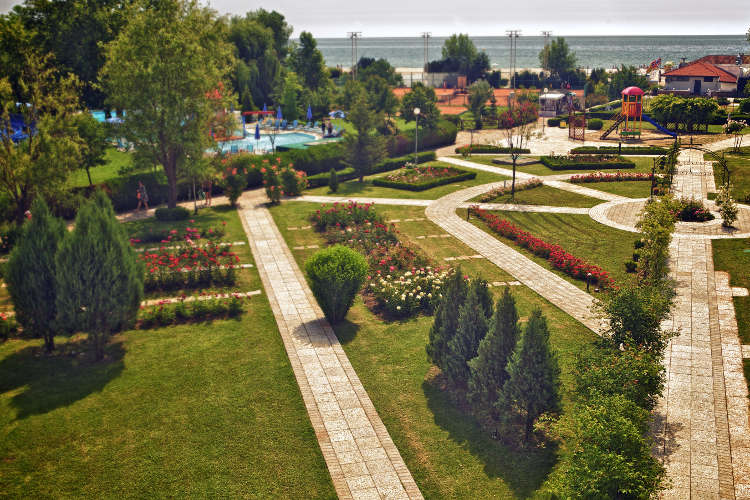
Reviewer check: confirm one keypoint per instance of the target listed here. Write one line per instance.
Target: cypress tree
(489, 368)
(99, 279)
(533, 385)
(446, 317)
(472, 327)
(31, 273)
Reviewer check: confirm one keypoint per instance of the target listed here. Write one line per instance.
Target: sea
(590, 51)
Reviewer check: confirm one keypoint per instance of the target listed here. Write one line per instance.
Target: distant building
(713, 75)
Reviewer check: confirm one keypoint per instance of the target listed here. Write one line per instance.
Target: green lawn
(601, 245)
(629, 189)
(447, 452)
(739, 172)
(355, 188)
(115, 160)
(641, 165)
(191, 411)
(546, 195)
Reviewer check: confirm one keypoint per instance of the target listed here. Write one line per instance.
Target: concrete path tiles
(360, 455)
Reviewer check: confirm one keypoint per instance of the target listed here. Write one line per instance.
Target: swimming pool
(264, 144)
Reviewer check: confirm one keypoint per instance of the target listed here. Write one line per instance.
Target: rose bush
(413, 292)
(613, 177)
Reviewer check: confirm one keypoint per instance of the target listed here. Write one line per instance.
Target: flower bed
(624, 150)
(555, 254)
(422, 178)
(190, 267)
(202, 307)
(342, 215)
(585, 162)
(413, 292)
(691, 211)
(505, 190)
(151, 235)
(613, 177)
(488, 148)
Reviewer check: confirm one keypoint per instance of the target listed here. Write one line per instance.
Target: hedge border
(626, 150)
(572, 165)
(425, 185)
(488, 148)
(349, 173)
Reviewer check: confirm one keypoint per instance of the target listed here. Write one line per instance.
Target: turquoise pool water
(250, 144)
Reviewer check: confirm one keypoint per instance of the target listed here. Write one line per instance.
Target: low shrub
(580, 162)
(630, 266)
(690, 211)
(636, 256)
(594, 124)
(333, 180)
(423, 178)
(498, 192)
(610, 177)
(553, 122)
(637, 244)
(489, 148)
(200, 307)
(8, 326)
(625, 150)
(293, 182)
(557, 256)
(336, 274)
(172, 214)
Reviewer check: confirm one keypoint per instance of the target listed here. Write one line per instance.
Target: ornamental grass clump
(336, 275)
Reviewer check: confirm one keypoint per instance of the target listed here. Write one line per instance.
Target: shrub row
(611, 177)
(200, 308)
(566, 163)
(444, 134)
(594, 124)
(553, 122)
(384, 166)
(490, 196)
(555, 254)
(625, 150)
(462, 176)
(488, 148)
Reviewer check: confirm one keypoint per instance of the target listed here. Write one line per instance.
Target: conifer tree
(31, 273)
(472, 327)
(446, 317)
(533, 385)
(489, 368)
(99, 279)
(484, 295)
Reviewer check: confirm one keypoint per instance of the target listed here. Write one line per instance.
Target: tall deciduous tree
(472, 327)
(558, 59)
(93, 142)
(517, 124)
(166, 69)
(363, 149)
(446, 317)
(38, 164)
(533, 385)
(307, 61)
(489, 368)
(32, 271)
(479, 93)
(99, 279)
(424, 98)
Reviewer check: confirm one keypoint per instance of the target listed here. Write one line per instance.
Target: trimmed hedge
(488, 148)
(626, 150)
(553, 122)
(384, 166)
(466, 175)
(561, 163)
(594, 124)
(444, 134)
(171, 214)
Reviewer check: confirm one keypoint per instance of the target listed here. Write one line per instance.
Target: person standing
(323, 128)
(142, 196)
(207, 188)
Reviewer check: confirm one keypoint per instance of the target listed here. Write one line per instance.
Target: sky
(378, 18)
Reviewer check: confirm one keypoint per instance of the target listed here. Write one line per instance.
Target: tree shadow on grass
(50, 382)
(346, 331)
(523, 470)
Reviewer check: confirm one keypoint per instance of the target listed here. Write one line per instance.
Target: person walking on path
(207, 187)
(323, 128)
(142, 196)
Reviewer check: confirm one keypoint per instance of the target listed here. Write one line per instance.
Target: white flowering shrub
(413, 292)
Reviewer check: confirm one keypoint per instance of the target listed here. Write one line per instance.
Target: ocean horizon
(591, 51)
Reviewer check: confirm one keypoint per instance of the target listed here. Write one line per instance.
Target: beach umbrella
(309, 113)
(278, 113)
(264, 107)
(257, 134)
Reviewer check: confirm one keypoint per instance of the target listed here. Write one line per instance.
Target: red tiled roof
(724, 59)
(700, 68)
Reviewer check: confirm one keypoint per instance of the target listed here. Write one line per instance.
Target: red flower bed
(614, 177)
(555, 254)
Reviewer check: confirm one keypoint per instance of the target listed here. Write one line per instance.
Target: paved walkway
(360, 455)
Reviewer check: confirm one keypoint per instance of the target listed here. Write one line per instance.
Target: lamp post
(416, 134)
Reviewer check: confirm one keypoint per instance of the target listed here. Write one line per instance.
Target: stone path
(360, 455)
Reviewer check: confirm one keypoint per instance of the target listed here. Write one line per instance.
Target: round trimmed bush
(553, 122)
(336, 274)
(595, 124)
(170, 214)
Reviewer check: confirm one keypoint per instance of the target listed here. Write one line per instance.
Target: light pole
(416, 134)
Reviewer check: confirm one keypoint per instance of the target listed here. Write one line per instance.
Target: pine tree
(533, 385)
(446, 317)
(99, 279)
(472, 327)
(489, 368)
(484, 295)
(31, 273)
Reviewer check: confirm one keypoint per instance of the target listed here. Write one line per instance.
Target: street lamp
(416, 134)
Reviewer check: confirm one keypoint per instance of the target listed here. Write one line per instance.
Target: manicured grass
(448, 453)
(729, 256)
(197, 410)
(355, 188)
(115, 160)
(550, 196)
(630, 189)
(641, 165)
(601, 245)
(739, 172)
